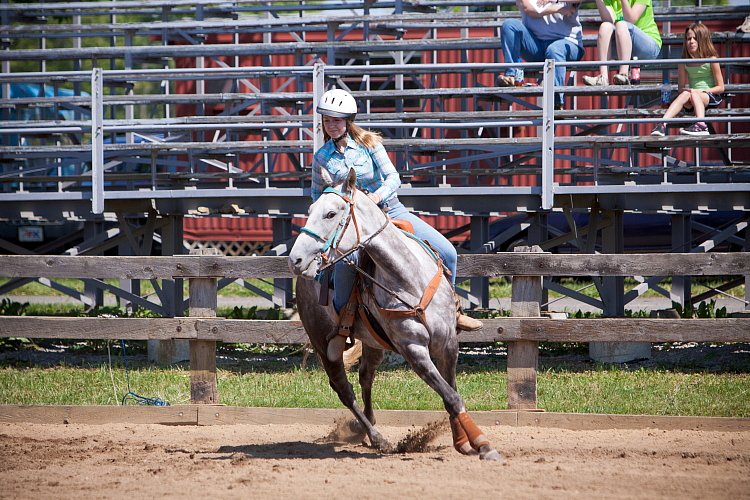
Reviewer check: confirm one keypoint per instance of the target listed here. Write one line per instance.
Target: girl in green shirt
(636, 35)
(698, 85)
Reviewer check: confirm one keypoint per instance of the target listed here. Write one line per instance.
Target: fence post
(523, 355)
(203, 389)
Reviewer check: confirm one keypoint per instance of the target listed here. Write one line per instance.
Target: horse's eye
(330, 215)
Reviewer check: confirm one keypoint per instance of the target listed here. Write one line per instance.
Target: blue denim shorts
(713, 101)
(644, 47)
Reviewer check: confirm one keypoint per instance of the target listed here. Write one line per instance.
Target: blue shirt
(375, 171)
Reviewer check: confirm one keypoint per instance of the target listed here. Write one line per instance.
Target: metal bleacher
(127, 117)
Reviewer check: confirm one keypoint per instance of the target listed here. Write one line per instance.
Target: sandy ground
(310, 461)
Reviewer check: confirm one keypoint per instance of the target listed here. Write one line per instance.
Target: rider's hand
(375, 197)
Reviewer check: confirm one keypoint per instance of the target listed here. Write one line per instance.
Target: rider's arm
(391, 179)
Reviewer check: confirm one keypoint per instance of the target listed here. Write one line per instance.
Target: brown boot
(464, 322)
(467, 323)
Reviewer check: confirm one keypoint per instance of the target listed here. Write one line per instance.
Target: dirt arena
(312, 461)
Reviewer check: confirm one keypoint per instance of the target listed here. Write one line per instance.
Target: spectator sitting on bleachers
(636, 35)
(548, 29)
(699, 85)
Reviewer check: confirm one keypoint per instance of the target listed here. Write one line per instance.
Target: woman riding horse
(348, 146)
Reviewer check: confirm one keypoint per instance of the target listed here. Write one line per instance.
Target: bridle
(331, 243)
(330, 246)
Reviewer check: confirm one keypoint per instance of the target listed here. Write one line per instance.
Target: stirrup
(337, 341)
(336, 348)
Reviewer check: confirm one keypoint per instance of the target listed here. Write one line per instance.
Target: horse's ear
(351, 181)
(325, 176)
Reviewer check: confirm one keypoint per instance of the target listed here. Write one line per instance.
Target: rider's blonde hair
(361, 136)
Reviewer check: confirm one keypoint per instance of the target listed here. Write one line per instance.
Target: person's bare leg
(604, 46)
(700, 100)
(677, 105)
(624, 45)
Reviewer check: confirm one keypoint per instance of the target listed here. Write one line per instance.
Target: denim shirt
(375, 171)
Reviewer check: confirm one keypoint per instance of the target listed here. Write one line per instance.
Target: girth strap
(417, 311)
(383, 340)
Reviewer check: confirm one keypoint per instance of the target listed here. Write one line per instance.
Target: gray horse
(344, 219)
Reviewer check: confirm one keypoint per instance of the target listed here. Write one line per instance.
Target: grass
(587, 388)
(499, 287)
(255, 382)
(37, 289)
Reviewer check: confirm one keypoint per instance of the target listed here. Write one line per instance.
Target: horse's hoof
(381, 444)
(356, 427)
(465, 449)
(487, 452)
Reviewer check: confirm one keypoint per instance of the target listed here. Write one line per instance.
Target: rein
(331, 244)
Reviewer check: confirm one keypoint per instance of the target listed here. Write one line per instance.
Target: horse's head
(329, 230)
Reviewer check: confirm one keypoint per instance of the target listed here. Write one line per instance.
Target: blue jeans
(644, 47)
(519, 43)
(343, 274)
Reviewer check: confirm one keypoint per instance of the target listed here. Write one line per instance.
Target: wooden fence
(523, 331)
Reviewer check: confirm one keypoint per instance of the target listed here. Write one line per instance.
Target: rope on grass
(130, 395)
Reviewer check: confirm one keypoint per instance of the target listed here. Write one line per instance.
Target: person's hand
(375, 197)
(569, 10)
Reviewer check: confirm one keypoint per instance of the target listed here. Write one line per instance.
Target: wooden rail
(202, 329)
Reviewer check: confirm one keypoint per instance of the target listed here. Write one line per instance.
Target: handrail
(550, 142)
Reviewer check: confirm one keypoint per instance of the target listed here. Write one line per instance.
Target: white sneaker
(660, 130)
(594, 80)
(695, 129)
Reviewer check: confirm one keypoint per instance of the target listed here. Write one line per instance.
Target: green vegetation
(598, 389)
(93, 372)
(499, 287)
(37, 289)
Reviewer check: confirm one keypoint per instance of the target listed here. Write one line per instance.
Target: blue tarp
(21, 90)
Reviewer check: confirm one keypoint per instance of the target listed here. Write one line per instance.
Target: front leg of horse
(368, 365)
(476, 437)
(341, 386)
(465, 431)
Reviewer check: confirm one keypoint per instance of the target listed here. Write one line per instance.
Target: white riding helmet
(337, 103)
